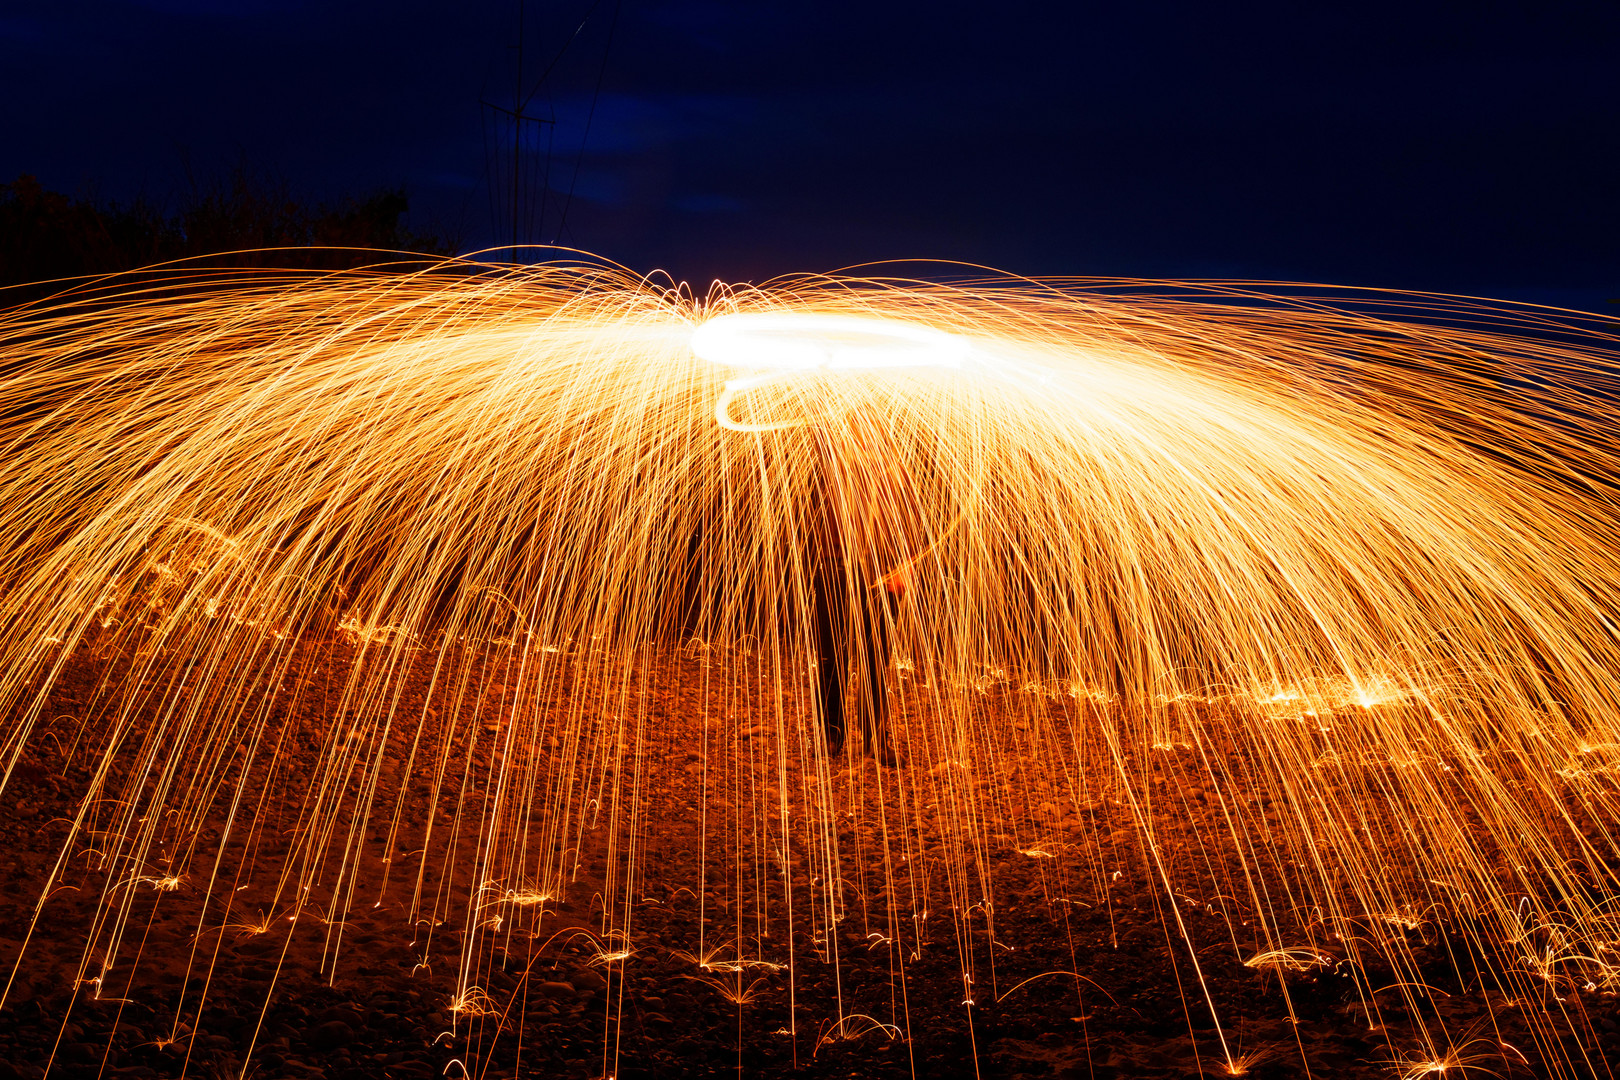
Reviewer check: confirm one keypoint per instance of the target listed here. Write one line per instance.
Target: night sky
(1469, 147)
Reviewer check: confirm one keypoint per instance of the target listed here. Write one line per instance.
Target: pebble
(331, 1035)
(345, 1013)
(585, 979)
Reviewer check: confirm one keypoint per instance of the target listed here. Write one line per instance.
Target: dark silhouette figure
(858, 638)
(861, 566)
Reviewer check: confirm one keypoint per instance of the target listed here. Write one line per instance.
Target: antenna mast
(521, 123)
(517, 133)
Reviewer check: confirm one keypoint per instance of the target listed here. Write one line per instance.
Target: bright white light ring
(803, 341)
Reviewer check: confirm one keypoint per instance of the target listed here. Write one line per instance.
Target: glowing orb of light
(776, 345)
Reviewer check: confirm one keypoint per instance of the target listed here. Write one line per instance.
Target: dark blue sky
(1469, 147)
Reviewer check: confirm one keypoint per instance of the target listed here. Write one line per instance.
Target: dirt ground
(639, 880)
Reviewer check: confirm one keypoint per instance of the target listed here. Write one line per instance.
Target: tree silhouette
(46, 235)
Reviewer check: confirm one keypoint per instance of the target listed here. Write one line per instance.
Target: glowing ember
(384, 573)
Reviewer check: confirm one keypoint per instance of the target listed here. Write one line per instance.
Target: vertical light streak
(1365, 568)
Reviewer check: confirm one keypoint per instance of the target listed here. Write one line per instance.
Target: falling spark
(1333, 540)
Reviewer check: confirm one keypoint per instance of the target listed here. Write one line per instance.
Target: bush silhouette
(47, 235)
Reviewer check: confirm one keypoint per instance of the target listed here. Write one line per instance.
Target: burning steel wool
(498, 633)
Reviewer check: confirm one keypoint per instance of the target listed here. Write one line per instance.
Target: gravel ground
(699, 928)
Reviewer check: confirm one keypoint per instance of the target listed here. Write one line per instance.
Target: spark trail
(1372, 556)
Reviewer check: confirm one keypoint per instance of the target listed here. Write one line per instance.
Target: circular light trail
(781, 344)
